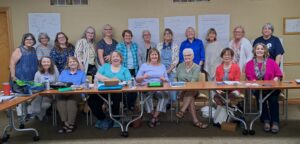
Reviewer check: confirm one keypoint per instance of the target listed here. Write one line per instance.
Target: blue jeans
(271, 113)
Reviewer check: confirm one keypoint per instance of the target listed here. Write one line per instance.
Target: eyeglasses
(187, 55)
(61, 37)
(29, 39)
(107, 29)
(90, 32)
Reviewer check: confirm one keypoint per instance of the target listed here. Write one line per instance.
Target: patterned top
(107, 48)
(43, 51)
(85, 53)
(121, 47)
(175, 53)
(60, 57)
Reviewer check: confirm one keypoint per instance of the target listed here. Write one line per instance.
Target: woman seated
(261, 67)
(227, 71)
(46, 71)
(67, 104)
(154, 71)
(111, 71)
(188, 71)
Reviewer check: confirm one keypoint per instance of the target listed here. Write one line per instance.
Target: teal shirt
(123, 74)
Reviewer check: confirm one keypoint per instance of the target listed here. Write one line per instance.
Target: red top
(234, 72)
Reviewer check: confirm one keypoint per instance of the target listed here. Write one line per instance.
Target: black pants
(95, 103)
(92, 70)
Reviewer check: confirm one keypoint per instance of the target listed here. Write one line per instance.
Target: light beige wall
(252, 14)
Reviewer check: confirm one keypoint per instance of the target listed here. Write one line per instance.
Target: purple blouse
(272, 70)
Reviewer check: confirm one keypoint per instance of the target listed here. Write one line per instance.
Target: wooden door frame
(6, 10)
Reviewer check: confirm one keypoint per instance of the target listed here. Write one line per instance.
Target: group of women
(164, 62)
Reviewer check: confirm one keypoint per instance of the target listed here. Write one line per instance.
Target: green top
(191, 76)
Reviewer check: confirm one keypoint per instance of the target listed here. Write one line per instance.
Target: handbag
(26, 87)
(221, 115)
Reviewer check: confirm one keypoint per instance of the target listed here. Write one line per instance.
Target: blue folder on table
(116, 87)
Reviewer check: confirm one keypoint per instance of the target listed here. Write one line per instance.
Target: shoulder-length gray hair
(103, 29)
(85, 31)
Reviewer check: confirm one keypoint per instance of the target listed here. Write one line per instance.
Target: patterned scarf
(260, 73)
(236, 47)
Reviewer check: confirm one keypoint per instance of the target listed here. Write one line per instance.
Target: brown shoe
(180, 114)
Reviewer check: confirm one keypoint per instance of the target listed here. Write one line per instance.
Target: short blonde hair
(190, 28)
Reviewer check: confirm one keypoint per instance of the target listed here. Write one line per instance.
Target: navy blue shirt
(273, 44)
(198, 48)
(77, 78)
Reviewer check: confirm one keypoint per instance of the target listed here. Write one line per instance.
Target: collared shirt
(198, 48)
(76, 78)
(121, 47)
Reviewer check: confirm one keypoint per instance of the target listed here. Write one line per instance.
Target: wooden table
(196, 86)
(9, 105)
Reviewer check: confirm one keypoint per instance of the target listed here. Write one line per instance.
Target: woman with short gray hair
(272, 42)
(146, 45)
(188, 71)
(44, 48)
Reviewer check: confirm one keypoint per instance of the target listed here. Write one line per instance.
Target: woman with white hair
(272, 42)
(145, 47)
(241, 46)
(106, 45)
(85, 51)
(44, 48)
(188, 71)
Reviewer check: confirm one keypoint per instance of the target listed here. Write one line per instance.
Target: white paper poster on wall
(221, 23)
(178, 25)
(44, 22)
(137, 25)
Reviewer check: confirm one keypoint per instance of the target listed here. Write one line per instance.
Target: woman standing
(145, 47)
(129, 50)
(46, 72)
(44, 48)
(188, 71)
(154, 71)
(106, 45)
(85, 51)
(212, 51)
(61, 51)
(67, 105)
(242, 48)
(263, 68)
(169, 53)
(24, 62)
(272, 42)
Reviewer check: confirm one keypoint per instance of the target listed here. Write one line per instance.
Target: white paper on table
(137, 25)
(5, 98)
(232, 82)
(178, 25)
(221, 23)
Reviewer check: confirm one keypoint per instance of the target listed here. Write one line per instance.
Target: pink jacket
(272, 70)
